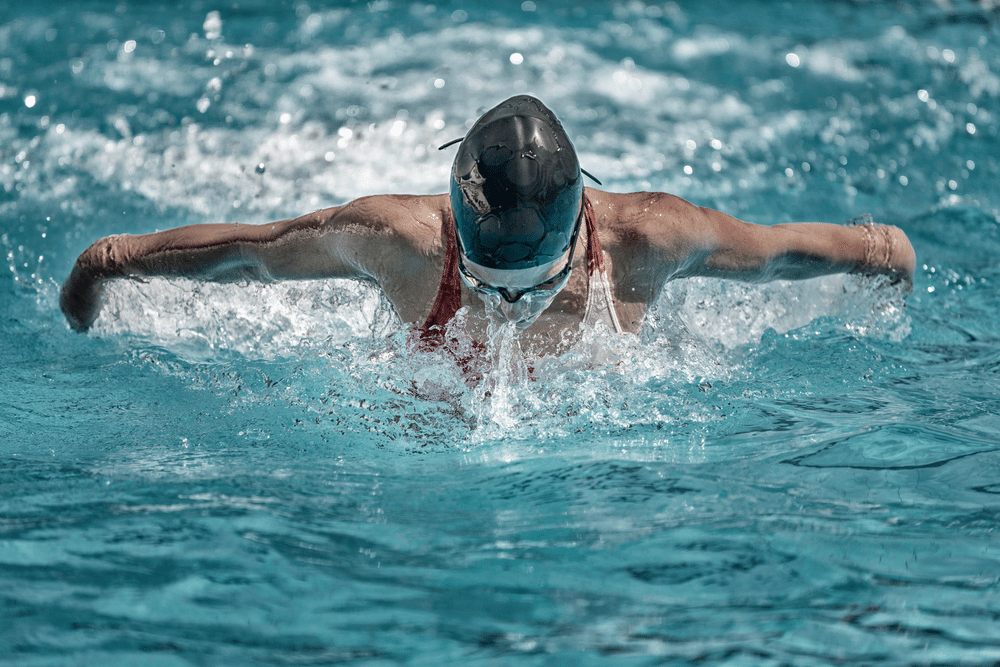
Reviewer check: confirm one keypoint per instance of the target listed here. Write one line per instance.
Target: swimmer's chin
(519, 324)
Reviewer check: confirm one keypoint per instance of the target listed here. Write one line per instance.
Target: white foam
(204, 320)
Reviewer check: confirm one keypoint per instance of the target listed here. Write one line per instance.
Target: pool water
(781, 474)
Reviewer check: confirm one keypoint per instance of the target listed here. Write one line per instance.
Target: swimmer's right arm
(324, 244)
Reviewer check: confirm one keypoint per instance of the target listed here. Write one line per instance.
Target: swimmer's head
(517, 191)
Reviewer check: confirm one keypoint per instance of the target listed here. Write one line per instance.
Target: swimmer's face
(520, 296)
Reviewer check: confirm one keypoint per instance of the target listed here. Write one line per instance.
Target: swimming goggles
(545, 289)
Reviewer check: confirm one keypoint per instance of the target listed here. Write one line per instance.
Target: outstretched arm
(704, 242)
(332, 243)
(795, 251)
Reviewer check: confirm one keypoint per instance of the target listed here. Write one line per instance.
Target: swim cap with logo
(516, 190)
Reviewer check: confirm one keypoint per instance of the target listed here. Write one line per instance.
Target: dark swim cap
(516, 187)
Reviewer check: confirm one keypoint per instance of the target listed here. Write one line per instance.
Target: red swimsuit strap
(595, 253)
(449, 295)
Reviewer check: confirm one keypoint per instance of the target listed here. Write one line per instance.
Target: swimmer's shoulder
(643, 217)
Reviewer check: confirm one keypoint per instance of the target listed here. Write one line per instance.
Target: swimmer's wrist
(886, 250)
(102, 261)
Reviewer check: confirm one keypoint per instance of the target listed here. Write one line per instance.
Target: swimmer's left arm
(796, 251)
(703, 242)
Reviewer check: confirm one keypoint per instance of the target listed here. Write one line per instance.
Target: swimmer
(518, 237)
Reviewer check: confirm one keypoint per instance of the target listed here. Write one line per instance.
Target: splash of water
(498, 395)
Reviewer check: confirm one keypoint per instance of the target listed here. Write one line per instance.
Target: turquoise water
(782, 474)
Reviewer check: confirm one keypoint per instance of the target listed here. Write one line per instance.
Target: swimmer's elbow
(224, 263)
(800, 266)
(234, 270)
(762, 267)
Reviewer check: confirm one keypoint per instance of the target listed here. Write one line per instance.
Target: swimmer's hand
(81, 296)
